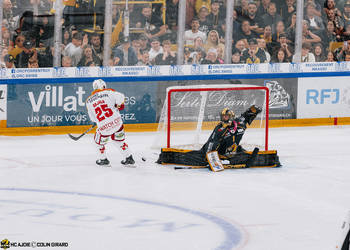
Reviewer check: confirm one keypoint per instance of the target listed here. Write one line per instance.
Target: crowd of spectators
(263, 31)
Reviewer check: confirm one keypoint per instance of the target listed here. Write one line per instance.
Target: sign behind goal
(190, 113)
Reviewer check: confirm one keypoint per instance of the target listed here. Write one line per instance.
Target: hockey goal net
(190, 113)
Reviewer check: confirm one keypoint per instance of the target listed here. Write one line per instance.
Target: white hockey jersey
(103, 107)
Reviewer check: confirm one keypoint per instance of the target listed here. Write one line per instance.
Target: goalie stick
(75, 138)
(197, 167)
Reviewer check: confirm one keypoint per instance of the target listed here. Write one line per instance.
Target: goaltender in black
(225, 140)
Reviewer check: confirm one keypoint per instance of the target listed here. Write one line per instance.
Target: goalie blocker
(197, 159)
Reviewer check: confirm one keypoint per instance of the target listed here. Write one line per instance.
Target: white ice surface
(52, 191)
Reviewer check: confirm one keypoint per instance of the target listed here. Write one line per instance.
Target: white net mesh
(195, 111)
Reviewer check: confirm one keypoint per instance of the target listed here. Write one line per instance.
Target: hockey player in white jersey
(103, 106)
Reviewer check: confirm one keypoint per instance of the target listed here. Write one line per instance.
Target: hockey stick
(75, 138)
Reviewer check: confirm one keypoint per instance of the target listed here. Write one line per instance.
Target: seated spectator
(66, 61)
(253, 54)
(171, 13)
(96, 46)
(198, 43)
(19, 46)
(220, 57)
(271, 17)
(330, 35)
(263, 7)
(89, 56)
(256, 23)
(316, 22)
(240, 46)
(291, 28)
(25, 23)
(287, 9)
(28, 52)
(346, 13)
(346, 34)
(144, 61)
(46, 59)
(318, 9)
(213, 41)
(308, 36)
(187, 56)
(190, 11)
(338, 22)
(153, 24)
(155, 50)
(9, 62)
(74, 49)
(246, 34)
(306, 55)
(66, 37)
(267, 35)
(330, 5)
(280, 57)
(330, 57)
(236, 27)
(33, 63)
(341, 52)
(262, 46)
(124, 54)
(347, 57)
(46, 29)
(285, 46)
(202, 18)
(319, 53)
(4, 52)
(168, 57)
(279, 30)
(144, 44)
(200, 3)
(211, 57)
(198, 56)
(236, 57)
(10, 18)
(194, 32)
(215, 16)
(6, 39)
(136, 45)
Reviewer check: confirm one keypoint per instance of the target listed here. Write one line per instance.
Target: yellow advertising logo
(5, 244)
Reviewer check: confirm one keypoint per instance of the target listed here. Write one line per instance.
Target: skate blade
(104, 166)
(130, 165)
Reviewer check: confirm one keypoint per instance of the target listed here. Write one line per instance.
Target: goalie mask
(227, 115)
(98, 84)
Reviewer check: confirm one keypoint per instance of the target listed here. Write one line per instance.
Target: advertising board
(324, 97)
(55, 104)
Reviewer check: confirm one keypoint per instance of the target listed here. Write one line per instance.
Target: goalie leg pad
(214, 161)
(262, 159)
(182, 157)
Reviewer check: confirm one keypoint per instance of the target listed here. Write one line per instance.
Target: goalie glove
(251, 113)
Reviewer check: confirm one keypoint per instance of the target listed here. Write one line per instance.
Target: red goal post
(215, 88)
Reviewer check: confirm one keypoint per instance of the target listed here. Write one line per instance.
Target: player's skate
(103, 162)
(129, 161)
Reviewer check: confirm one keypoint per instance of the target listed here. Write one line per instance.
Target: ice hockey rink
(52, 191)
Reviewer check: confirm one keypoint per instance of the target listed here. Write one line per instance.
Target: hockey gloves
(251, 113)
